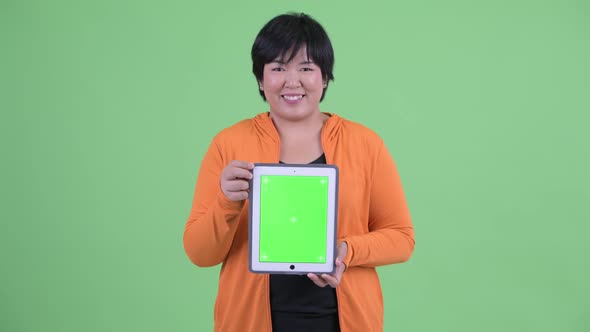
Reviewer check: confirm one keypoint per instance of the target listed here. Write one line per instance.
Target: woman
(292, 62)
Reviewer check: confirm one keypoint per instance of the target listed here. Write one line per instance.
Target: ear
(260, 86)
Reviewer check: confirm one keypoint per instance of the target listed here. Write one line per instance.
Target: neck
(301, 128)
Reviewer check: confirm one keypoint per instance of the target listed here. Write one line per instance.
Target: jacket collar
(267, 130)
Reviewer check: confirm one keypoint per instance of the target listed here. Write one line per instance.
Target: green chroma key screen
(293, 218)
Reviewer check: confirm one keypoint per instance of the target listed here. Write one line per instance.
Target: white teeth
(293, 97)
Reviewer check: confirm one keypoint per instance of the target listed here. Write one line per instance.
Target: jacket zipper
(267, 292)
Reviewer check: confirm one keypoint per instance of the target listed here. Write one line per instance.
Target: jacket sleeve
(213, 219)
(391, 235)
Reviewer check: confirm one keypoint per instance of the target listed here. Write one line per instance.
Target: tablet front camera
(292, 267)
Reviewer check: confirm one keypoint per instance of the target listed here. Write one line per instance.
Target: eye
(278, 69)
(307, 69)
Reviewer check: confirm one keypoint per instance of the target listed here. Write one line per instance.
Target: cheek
(316, 81)
(271, 82)
(317, 77)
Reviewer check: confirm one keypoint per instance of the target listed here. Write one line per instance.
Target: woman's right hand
(234, 180)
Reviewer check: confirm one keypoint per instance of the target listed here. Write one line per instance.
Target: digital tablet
(292, 218)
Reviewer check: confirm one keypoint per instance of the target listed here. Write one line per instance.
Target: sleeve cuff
(226, 203)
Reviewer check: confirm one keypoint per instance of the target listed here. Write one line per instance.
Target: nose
(292, 80)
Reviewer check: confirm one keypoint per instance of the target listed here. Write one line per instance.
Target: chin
(291, 114)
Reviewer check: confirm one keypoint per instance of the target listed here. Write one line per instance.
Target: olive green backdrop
(107, 108)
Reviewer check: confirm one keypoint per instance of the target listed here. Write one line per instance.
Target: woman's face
(293, 90)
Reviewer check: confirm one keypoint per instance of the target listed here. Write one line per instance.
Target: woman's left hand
(333, 279)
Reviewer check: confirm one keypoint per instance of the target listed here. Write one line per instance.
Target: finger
(236, 185)
(340, 264)
(237, 196)
(331, 280)
(242, 164)
(238, 173)
(317, 280)
(342, 250)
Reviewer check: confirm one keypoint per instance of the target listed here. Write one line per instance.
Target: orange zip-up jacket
(373, 219)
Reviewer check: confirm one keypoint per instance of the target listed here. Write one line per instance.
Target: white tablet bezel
(331, 171)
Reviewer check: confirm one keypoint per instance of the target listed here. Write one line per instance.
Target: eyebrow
(301, 63)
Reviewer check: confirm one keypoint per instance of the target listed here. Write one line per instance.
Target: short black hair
(288, 33)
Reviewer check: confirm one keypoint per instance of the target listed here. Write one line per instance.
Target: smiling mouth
(292, 97)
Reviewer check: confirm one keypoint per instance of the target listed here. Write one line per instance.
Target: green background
(302, 240)
(107, 108)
